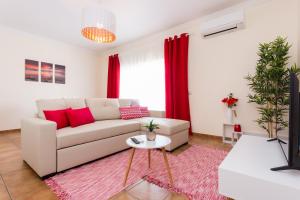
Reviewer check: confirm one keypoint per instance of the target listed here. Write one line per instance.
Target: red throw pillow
(130, 112)
(78, 117)
(58, 116)
(145, 112)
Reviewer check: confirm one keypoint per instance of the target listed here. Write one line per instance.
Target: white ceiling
(61, 19)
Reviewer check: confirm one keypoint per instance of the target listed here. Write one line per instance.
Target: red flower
(230, 101)
(224, 100)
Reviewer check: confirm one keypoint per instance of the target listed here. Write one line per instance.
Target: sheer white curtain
(142, 76)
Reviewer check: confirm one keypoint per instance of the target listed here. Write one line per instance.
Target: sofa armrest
(157, 113)
(38, 140)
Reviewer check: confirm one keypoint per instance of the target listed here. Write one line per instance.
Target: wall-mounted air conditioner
(225, 23)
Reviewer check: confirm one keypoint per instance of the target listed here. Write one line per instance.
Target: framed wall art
(60, 74)
(31, 70)
(46, 72)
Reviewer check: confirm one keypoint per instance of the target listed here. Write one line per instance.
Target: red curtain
(113, 79)
(176, 77)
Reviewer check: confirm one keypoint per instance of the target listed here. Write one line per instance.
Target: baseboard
(10, 131)
(206, 135)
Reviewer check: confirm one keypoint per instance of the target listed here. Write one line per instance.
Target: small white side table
(159, 143)
(236, 135)
(227, 132)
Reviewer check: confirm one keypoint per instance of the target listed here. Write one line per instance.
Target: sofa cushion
(166, 126)
(144, 111)
(103, 109)
(58, 116)
(68, 136)
(128, 102)
(49, 104)
(75, 103)
(79, 117)
(130, 112)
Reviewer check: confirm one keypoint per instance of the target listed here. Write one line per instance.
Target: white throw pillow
(49, 104)
(103, 108)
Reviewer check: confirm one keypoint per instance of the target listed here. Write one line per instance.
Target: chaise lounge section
(48, 150)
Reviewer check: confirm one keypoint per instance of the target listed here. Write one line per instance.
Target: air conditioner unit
(229, 22)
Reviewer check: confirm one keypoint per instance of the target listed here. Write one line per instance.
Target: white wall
(17, 98)
(218, 65)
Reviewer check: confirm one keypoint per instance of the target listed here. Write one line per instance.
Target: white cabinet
(245, 173)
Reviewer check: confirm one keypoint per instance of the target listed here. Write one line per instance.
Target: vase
(237, 128)
(229, 116)
(151, 135)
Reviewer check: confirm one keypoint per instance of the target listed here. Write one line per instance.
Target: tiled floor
(19, 182)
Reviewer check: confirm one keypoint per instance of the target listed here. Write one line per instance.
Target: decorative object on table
(151, 135)
(98, 25)
(31, 70)
(189, 166)
(46, 72)
(237, 128)
(60, 74)
(270, 85)
(236, 134)
(135, 141)
(231, 102)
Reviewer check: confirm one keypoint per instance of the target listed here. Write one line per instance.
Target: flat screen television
(291, 145)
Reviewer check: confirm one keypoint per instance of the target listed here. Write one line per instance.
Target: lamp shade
(98, 25)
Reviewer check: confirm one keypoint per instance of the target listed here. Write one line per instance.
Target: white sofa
(48, 150)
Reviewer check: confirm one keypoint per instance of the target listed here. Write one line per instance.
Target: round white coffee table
(159, 143)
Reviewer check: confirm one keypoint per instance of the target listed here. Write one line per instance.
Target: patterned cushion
(130, 112)
(144, 111)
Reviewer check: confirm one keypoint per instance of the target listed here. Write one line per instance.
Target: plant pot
(229, 116)
(151, 135)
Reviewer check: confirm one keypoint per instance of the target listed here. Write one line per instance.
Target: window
(143, 79)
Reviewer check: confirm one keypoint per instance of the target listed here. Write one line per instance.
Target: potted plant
(230, 101)
(270, 85)
(150, 134)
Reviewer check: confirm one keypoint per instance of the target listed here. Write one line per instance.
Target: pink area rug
(195, 174)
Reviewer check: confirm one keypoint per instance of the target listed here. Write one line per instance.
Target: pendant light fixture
(98, 25)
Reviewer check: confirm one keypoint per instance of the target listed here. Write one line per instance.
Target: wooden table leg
(149, 158)
(129, 165)
(167, 165)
